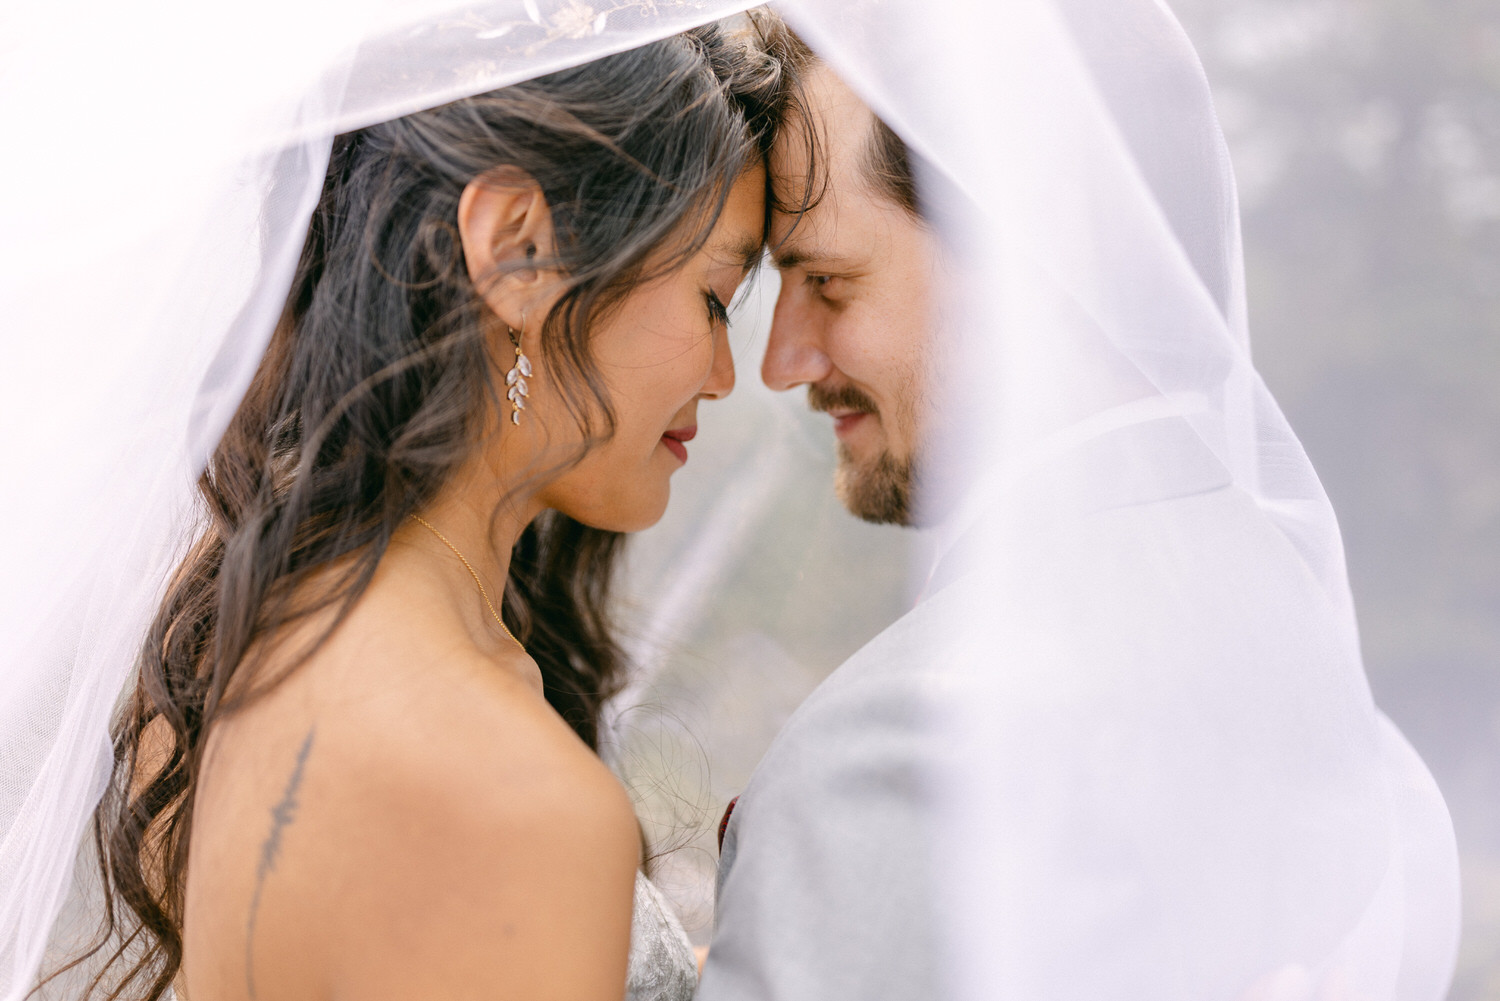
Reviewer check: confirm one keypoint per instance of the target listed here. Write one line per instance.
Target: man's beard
(879, 491)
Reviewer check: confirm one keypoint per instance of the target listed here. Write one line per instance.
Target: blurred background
(1366, 139)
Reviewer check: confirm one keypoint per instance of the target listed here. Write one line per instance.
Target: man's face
(852, 320)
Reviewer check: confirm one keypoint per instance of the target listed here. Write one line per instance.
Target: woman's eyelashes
(718, 313)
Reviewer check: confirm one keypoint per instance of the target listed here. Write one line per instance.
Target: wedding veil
(1166, 776)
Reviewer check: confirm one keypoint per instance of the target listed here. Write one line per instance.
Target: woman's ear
(505, 227)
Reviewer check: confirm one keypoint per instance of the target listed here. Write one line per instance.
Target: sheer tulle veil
(1167, 777)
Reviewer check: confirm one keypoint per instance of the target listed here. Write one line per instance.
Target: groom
(823, 871)
(827, 871)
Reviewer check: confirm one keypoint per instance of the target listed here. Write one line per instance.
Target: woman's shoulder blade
(482, 815)
(417, 798)
(441, 728)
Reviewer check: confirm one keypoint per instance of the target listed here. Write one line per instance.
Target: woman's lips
(676, 440)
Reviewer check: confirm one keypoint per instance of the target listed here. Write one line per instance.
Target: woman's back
(404, 805)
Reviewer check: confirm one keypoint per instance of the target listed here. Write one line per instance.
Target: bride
(360, 757)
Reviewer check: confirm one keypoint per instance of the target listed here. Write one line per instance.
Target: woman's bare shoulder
(465, 741)
(472, 734)
(439, 821)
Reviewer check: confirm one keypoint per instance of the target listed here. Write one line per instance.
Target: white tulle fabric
(1168, 779)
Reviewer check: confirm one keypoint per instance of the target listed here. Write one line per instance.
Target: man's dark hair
(887, 160)
(888, 167)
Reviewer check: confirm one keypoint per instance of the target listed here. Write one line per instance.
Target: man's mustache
(827, 398)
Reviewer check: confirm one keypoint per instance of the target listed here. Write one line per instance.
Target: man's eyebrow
(796, 257)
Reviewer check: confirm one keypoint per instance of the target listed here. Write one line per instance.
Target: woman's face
(660, 352)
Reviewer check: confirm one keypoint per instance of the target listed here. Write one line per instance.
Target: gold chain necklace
(472, 573)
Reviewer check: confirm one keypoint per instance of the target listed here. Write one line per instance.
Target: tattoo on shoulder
(282, 815)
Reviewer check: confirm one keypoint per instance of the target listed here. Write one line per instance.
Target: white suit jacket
(826, 877)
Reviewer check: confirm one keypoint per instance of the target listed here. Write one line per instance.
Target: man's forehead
(836, 245)
(839, 112)
(823, 149)
(845, 229)
(804, 237)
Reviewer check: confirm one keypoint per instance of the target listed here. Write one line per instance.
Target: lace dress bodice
(662, 965)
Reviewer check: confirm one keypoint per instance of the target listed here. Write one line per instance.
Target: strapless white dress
(662, 964)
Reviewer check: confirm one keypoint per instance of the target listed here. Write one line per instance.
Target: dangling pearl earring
(516, 378)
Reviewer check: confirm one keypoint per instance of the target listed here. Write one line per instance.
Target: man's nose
(795, 353)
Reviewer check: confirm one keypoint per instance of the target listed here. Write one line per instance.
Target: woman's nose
(720, 382)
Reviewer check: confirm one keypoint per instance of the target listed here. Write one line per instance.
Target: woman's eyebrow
(745, 253)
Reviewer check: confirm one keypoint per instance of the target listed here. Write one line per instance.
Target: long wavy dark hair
(376, 388)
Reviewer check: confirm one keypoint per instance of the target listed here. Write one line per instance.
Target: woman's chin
(625, 514)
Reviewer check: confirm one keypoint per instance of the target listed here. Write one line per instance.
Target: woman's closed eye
(718, 313)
